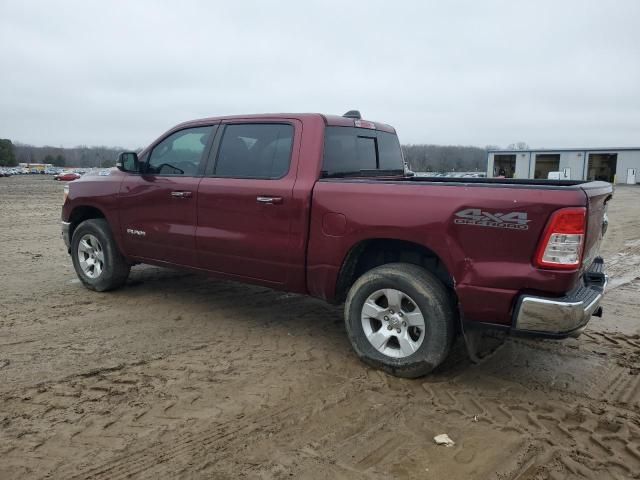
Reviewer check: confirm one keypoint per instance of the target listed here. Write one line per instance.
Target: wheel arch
(368, 254)
(81, 213)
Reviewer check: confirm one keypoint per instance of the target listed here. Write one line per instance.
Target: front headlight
(65, 194)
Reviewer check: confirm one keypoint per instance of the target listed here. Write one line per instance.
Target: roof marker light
(365, 124)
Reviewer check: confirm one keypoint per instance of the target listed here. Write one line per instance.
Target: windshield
(350, 151)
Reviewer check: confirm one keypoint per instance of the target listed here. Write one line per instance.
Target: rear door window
(253, 150)
(351, 150)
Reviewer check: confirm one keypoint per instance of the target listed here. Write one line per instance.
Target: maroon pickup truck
(323, 205)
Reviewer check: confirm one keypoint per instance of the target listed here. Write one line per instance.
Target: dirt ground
(182, 376)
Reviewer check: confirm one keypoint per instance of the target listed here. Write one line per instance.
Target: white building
(615, 165)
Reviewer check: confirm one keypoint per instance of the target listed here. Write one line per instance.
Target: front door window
(181, 153)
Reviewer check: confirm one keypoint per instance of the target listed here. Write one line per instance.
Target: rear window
(351, 150)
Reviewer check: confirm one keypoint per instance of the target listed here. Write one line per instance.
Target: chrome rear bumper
(565, 316)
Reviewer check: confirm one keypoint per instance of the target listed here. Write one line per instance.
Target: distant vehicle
(564, 175)
(67, 177)
(263, 199)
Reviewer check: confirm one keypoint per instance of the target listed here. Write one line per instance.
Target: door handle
(181, 194)
(269, 200)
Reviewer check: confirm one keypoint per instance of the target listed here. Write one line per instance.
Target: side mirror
(128, 162)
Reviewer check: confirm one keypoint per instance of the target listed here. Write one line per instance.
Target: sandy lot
(182, 376)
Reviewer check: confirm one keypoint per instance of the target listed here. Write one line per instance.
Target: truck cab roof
(329, 120)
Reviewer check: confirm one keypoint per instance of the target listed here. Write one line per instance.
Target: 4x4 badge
(480, 218)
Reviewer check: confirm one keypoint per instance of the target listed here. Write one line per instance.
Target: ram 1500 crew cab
(322, 205)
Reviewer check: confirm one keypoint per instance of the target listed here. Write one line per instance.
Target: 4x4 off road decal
(476, 216)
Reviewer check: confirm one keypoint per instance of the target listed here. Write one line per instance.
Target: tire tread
(441, 319)
(117, 268)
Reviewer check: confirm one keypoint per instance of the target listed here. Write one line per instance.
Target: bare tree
(442, 158)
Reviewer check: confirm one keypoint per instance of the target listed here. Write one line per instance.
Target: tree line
(420, 157)
(80, 156)
(11, 154)
(445, 158)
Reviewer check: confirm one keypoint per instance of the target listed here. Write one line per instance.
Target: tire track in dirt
(116, 404)
(623, 267)
(185, 445)
(558, 429)
(593, 434)
(602, 439)
(349, 423)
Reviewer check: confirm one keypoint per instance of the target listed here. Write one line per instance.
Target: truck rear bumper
(565, 316)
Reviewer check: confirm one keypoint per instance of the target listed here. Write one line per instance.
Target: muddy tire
(98, 263)
(400, 318)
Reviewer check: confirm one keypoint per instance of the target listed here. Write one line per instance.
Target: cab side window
(180, 153)
(255, 151)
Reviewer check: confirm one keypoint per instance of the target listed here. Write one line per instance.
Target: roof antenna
(353, 114)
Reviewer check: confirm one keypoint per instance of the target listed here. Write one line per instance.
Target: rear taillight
(563, 240)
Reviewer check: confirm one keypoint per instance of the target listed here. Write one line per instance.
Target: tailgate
(598, 194)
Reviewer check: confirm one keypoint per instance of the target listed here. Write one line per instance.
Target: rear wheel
(98, 263)
(400, 318)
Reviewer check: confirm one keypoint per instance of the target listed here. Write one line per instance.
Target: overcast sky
(550, 73)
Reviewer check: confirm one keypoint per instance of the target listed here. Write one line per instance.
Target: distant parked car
(563, 175)
(67, 177)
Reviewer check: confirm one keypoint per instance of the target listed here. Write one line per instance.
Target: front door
(245, 202)
(158, 206)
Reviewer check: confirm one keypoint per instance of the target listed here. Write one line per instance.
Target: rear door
(245, 205)
(158, 206)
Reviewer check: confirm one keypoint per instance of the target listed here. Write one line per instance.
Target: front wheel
(98, 263)
(400, 318)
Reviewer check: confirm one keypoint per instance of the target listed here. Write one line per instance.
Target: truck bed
(483, 262)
